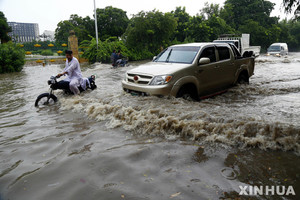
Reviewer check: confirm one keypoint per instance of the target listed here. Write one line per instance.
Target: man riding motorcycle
(74, 78)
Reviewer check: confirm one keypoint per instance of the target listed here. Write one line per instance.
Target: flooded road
(107, 144)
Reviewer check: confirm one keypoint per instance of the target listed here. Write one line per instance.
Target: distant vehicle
(242, 43)
(195, 70)
(278, 49)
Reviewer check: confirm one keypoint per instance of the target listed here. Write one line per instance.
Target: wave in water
(242, 132)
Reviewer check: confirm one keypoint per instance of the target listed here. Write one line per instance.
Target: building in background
(24, 32)
(47, 35)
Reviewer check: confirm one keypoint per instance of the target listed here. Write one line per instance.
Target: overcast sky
(47, 13)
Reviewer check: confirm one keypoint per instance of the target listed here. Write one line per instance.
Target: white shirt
(74, 73)
(73, 70)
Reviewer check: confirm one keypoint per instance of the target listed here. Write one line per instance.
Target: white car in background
(278, 49)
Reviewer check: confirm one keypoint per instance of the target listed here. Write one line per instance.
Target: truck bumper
(156, 90)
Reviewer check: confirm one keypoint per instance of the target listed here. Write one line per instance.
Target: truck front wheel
(188, 92)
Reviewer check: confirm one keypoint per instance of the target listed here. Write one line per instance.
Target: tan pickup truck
(195, 70)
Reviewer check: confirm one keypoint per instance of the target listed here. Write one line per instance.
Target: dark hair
(69, 52)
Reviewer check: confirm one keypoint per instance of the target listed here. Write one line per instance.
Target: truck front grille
(142, 79)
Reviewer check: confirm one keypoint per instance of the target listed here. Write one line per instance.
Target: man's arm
(61, 74)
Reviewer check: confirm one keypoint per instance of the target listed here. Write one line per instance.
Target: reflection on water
(107, 144)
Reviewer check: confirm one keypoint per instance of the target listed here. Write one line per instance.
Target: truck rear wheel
(243, 78)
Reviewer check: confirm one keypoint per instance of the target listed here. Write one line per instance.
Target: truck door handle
(217, 66)
(200, 71)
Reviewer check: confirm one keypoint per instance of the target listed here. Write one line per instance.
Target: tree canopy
(182, 18)
(290, 5)
(110, 21)
(150, 30)
(236, 14)
(4, 29)
(83, 27)
(146, 32)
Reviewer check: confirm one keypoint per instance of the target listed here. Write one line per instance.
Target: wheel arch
(242, 76)
(185, 81)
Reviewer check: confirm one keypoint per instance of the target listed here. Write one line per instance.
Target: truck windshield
(178, 55)
(274, 48)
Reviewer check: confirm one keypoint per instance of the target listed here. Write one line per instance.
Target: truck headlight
(161, 80)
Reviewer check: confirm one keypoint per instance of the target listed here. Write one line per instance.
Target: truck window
(236, 53)
(223, 53)
(209, 52)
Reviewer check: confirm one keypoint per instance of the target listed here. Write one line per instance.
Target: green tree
(210, 10)
(12, 58)
(182, 18)
(273, 35)
(295, 33)
(257, 33)
(198, 30)
(150, 31)
(237, 12)
(111, 22)
(4, 29)
(83, 27)
(290, 5)
(285, 35)
(218, 27)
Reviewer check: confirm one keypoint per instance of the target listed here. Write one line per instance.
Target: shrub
(105, 49)
(47, 53)
(12, 58)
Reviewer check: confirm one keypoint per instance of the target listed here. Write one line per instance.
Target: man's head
(69, 55)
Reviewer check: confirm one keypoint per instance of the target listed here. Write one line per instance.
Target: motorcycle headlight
(161, 80)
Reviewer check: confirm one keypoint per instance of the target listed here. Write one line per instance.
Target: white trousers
(74, 83)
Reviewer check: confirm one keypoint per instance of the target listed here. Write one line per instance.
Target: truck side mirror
(154, 58)
(204, 61)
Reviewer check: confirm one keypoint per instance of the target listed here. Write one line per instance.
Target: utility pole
(96, 27)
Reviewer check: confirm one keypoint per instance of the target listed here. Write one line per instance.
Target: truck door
(208, 74)
(226, 66)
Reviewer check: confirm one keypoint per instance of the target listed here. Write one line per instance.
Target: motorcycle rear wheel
(45, 99)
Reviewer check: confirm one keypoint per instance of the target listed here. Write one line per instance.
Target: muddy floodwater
(110, 145)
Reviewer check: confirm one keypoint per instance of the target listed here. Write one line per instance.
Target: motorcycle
(50, 98)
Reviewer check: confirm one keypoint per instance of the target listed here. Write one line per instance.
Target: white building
(47, 35)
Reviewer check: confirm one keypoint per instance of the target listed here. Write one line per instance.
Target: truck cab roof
(198, 44)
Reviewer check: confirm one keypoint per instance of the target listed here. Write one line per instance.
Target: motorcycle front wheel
(45, 99)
